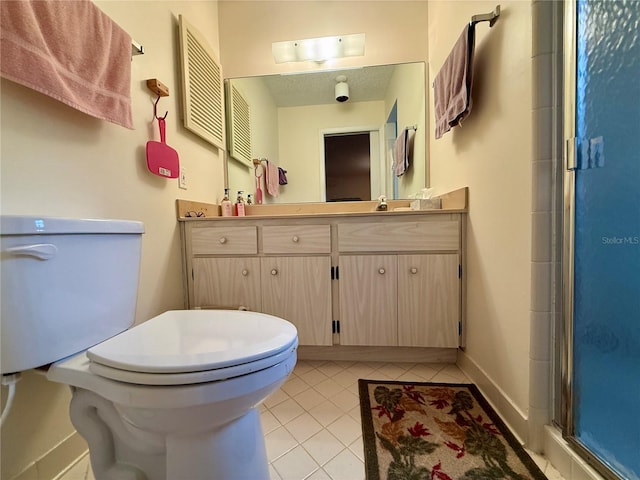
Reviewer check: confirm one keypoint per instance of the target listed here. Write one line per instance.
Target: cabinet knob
(295, 239)
(245, 272)
(274, 271)
(414, 270)
(381, 271)
(223, 240)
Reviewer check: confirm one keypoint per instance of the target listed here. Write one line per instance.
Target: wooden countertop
(452, 202)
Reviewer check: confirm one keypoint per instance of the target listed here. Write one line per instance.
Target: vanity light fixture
(318, 49)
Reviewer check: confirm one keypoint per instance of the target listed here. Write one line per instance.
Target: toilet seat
(182, 347)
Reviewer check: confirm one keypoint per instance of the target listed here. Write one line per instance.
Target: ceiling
(317, 88)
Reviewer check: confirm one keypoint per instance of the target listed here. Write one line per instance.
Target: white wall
(300, 139)
(395, 32)
(58, 161)
(411, 111)
(492, 154)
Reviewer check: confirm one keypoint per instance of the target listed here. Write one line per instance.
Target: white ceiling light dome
(342, 89)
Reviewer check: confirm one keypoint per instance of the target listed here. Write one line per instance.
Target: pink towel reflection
(271, 179)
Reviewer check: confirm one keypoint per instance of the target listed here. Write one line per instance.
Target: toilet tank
(66, 285)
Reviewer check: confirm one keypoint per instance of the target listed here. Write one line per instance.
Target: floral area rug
(437, 431)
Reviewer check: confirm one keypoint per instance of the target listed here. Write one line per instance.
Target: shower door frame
(568, 233)
(568, 243)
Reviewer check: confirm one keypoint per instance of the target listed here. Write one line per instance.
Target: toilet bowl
(175, 397)
(179, 393)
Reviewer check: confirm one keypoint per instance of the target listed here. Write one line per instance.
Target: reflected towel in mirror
(272, 179)
(282, 176)
(403, 151)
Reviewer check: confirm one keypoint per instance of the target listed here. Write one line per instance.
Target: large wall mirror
(332, 150)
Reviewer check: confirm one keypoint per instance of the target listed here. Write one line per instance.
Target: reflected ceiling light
(342, 89)
(318, 49)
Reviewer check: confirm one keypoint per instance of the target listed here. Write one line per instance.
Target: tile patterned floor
(312, 424)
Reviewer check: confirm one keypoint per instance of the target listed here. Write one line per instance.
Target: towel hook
(155, 109)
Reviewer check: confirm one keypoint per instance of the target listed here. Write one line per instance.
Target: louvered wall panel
(202, 87)
(239, 122)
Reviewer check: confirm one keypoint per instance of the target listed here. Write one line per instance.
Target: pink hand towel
(71, 51)
(452, 85)
(272, 179)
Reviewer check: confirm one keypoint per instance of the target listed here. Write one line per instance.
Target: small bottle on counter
(382, 204)
(249, 199)
(225, 205)
(240, 205)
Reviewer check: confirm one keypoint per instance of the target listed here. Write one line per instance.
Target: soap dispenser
(240, 205)
(225, 205)
(382, 204)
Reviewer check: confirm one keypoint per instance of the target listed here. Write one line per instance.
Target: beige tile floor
(312, 424)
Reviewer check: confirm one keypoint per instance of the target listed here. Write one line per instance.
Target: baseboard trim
(57, 460)
(515, 419)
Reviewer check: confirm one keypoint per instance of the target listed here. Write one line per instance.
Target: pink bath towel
(71, 51)
(272, 179)
(452, 85)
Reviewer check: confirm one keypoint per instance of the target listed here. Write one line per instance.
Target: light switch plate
(182, 178)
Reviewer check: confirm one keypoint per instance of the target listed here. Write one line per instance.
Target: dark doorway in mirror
(347, 159)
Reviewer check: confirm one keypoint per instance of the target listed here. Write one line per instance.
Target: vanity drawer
(224, 240)
(296, 239)
(399, 237)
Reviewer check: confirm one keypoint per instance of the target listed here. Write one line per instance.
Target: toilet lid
(180, 343)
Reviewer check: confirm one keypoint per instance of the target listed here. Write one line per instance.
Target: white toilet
(173, 398)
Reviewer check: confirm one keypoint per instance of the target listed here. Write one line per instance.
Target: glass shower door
(604, 418)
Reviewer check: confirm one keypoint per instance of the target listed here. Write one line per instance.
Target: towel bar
(486, 17)
(136, 48)
(492, 18)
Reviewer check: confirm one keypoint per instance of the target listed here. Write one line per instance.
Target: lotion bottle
(240, 205)
(225, 205)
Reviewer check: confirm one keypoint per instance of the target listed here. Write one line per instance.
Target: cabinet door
(428, 305)
(227, 282)
(298, 289)
(368, 300)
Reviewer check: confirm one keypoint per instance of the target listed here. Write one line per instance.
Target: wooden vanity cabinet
(227, 282)
(368, 300)
(298, 289)
(406, 300)
(345, 281)
(224, 267)
(230, 268)
(400, 300)
(429, 300)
